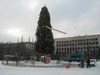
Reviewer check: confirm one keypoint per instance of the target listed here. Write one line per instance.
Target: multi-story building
(78, 44)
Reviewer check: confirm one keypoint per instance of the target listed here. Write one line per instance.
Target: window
(96, 39)
(65, 44)
(96, 42)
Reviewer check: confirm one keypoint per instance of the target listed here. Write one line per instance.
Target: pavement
(37, 64)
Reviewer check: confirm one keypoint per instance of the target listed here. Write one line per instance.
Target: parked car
(10, 57)
(92, 62)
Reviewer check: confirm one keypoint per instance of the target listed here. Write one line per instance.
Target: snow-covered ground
(13, 70)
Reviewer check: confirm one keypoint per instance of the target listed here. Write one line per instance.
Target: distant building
(88, 44)
(21, 49)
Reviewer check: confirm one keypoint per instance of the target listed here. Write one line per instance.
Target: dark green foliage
(44, 38)
(1, 51)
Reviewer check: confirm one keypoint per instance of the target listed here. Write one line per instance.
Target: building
(25, 49)
(88, 44)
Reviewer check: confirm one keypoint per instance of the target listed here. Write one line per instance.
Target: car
(92, 62)
(10, 57)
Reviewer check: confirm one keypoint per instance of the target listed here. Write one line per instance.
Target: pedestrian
(88, 63)
(82, 63)
(58, 60)
(17, 61)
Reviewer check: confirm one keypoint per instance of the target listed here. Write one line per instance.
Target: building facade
(25, 49)
(89, 44)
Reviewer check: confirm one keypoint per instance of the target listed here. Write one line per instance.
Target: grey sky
(75, 17)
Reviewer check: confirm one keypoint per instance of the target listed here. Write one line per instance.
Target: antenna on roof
(29, 39)
(22, 39)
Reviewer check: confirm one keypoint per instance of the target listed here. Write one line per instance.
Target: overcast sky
(75, 17)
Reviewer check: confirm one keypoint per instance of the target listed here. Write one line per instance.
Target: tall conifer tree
(44, 37)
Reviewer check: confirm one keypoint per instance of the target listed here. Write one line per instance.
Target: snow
(13, 70)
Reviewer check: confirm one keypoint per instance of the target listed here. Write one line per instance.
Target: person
(82, 63)
(88, 63)
(17, 60)
(58, 61)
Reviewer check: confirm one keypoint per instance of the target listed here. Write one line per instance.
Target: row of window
(81, 40)
(79, 48)
(75, 44)
(73, 51)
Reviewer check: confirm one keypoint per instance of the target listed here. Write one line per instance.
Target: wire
(56, 30)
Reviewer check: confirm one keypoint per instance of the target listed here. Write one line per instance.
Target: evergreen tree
(44, 38)
(1, 51)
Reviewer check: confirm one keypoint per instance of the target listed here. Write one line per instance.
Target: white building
(78, 44)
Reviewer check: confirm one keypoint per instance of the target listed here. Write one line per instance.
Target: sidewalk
(37, 64)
